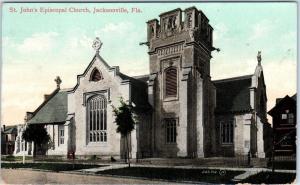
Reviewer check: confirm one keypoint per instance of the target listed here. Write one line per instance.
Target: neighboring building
(8, 137)
(181, 112)
(21, 146)
(284, 125)
(12, 142)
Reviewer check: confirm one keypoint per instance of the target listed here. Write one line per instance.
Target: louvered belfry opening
(171, 82)
(96, 75)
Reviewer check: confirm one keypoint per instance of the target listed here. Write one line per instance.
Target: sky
(38, 46)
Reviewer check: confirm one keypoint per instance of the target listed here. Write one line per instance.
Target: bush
(269, 178)
(285, 165)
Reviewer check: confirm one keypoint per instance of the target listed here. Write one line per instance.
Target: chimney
(46, 96)
(28, 116)
(3, 128)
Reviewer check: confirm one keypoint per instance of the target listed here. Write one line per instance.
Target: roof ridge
(136, 76)
(66, 89)
(233, 78)
(46, 101)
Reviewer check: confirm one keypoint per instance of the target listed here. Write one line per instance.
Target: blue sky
(37, 47)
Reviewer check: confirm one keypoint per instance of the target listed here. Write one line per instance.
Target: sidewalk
(247, 172)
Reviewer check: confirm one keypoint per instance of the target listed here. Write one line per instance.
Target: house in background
(8, 137)
(21, 146)
(284, 125)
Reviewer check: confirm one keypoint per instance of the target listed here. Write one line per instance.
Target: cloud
(121, 47)
(8, 42)
(78, 42)
(38, 42)
(220, 30)
(120, 28)
(261, 29)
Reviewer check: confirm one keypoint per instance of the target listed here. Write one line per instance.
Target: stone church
(180, 111)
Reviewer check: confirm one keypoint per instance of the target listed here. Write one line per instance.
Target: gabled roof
(294, 97)
(88, 68)
(52, 110)
(139, 86)
(143, 78)
(280, 102)
(233, 94)
(10, 129)
(139, 93)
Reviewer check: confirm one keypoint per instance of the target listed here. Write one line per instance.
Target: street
(12, 176)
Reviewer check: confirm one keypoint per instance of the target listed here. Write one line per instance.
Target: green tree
(124, 118)
(36, 134)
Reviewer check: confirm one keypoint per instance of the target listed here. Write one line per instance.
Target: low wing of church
(180, 111)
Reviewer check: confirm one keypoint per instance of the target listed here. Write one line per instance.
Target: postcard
(148, 92)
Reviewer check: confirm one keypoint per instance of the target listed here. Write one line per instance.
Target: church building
(180, 111)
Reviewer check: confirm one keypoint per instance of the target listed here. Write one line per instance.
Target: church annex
(181, 112)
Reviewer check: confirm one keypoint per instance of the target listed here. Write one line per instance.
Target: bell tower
(180, 89)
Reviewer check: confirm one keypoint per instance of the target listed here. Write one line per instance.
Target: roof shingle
(53, 111)
(233, 94)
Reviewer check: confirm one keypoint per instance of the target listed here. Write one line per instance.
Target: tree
(124, 118)
(36, 134)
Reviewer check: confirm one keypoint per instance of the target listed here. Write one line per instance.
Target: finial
(259, 57)
(97, 44)
(58, 82)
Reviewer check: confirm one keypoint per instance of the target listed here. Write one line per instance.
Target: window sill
(170, 143)
(286, 124)
(97, 144)
(227, 144)
(171, 99)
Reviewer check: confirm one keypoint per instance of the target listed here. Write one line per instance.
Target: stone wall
(242, 135)
(184, 44)
(112, 87)
(57, 148)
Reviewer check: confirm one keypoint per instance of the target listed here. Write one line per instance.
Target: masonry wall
(186, 45)
(57, 148)
(242, 139)
(110, 86)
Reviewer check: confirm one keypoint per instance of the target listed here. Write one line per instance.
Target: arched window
(96, 75)
(171, 82)
(97, 125)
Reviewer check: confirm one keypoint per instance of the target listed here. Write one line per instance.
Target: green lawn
(285, 165)
(199, 175)
(268, 178)
(49, 166)
(14, 158)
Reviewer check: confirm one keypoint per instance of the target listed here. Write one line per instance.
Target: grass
(199, 175)
(14, 158)
(49, 166)
(283, 165)
(269, 178)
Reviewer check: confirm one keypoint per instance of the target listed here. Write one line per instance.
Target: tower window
(96, 75)
(170, 126)
(171, 82)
